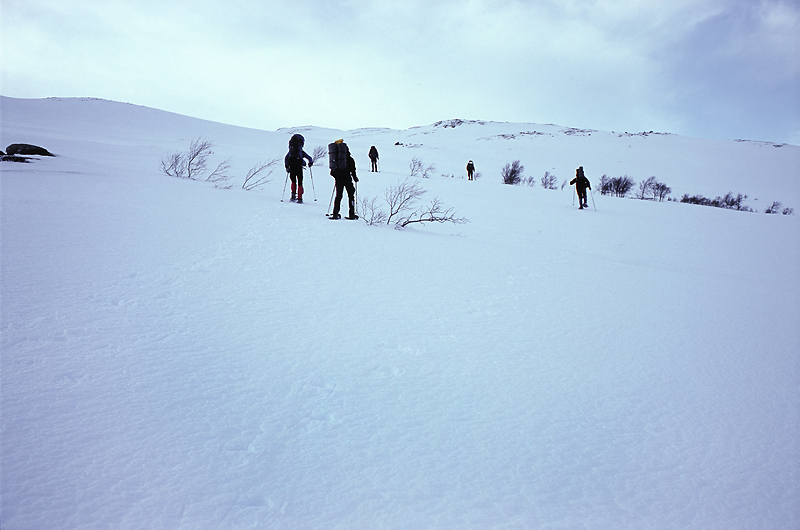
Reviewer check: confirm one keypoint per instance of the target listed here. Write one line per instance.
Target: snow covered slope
(179, 356)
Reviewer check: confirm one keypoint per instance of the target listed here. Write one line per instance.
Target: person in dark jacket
(344, 180)
(294, 163)
(470, 170)
(373, 157)
(581, 183)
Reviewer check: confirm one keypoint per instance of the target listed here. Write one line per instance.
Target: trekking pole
(312, 182)
(573, 196)
(284, 185)
(355, 206)
(331, 201)
(592, 194)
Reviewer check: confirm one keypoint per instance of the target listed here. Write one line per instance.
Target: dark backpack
(296, 143)
(337, 155)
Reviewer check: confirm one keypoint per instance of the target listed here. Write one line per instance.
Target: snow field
(177, 356)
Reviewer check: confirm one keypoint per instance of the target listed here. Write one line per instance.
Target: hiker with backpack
(373, 157)
(343, 170)
(581, 183)
(294, 165)
(470, 170)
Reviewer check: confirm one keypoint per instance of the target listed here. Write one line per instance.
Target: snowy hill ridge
(764, 171)
(178, 356)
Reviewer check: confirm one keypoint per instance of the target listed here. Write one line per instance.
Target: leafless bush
(617, 186)
(653, 189)
(549, 181)
(173, 165)
(256, 176)
(528, 181)
(645, 190)
(401, 198)
(418, 169)
(371, 212)
(193, 163)
(660, 191)
(434, 212)
(775, 208)
(220, 175)
(319, 153)
(512, 173)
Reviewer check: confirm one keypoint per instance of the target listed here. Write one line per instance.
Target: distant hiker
(470, 170)
(373, 156)
(581, 183)
(343, 170)
(294, 165)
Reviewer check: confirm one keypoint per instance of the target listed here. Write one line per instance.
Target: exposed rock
(27, 149)
(13, 158)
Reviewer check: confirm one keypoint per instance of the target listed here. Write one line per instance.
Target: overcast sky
(706, 68)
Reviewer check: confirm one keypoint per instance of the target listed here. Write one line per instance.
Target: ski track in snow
(177, 356)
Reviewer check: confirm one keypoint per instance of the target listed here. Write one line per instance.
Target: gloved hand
(355, 178)
(310, 163)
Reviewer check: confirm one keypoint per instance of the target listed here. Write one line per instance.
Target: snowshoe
(334, 216)
(352, 217)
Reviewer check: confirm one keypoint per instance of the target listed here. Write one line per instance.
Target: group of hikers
(343, 170)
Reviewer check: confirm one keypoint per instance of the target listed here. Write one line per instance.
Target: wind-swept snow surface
(179, 356)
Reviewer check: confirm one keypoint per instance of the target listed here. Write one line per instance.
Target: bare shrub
(621, 186)
(435, 212)
(193, 163)
(319, 153)
(660, 191)
(401, 198)
(418, 169)
(512, 173)
(371, 212)
(729, 201)
(605, 185)
(257, 177)
(775, 208)
(549, 181)
(645, 188)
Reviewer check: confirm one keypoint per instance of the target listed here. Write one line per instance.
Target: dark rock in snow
(27, 149)
(13, 158)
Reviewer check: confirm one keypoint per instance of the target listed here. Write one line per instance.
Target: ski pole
(312, 182)
(592, 194)
(573, 195)
(331, 201)
(284, 185)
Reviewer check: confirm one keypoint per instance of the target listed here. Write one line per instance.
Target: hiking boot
(334, 216)
(299, 199)
(352, 217)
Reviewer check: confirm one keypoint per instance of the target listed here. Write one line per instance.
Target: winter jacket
(291, 162)
(581, 182)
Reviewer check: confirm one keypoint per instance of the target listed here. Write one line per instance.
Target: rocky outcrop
(27, 149)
